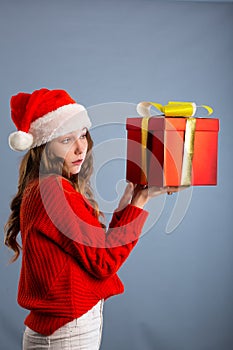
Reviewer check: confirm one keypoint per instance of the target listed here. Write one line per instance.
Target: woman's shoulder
(56, 183)
(50, 183)
(54, 179)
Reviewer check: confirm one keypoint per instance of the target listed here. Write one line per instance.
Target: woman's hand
(139, 195)
(126, 197)
(142, 194)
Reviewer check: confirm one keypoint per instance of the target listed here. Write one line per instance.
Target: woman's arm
(68, 221)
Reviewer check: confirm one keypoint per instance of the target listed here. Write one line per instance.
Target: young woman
(69, 259)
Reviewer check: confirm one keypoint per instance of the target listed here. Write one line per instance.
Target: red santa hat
(44, 115)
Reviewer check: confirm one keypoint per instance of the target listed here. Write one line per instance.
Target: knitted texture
(69, 262)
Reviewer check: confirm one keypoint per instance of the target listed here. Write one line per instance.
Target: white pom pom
(20, 141)
(143, 109)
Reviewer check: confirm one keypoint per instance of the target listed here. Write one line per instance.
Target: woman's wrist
(139, 202)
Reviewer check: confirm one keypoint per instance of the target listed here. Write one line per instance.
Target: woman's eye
(66, 140)
(83, 136)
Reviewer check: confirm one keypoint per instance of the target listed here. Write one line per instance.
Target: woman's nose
(79, 147)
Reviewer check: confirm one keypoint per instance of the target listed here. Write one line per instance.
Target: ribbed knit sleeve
(65, 217)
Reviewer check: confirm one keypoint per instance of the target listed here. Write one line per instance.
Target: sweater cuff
(116, 216)
(133, 214)
(128, 228)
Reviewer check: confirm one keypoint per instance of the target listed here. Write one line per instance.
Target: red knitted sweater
(69, 262)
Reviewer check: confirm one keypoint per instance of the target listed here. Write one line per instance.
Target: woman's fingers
(127, 195)
(155, 191)
(173, 189)
(138, 194)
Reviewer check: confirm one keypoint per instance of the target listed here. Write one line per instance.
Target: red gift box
(161, 163)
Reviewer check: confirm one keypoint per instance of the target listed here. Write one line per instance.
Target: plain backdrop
(178, 286)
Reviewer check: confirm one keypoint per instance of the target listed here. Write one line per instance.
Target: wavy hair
(36, 162)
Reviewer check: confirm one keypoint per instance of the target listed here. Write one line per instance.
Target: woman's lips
(78, 162)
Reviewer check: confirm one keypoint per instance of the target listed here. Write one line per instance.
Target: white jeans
(83, 333)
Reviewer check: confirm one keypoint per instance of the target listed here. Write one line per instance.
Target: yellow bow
(172, 109)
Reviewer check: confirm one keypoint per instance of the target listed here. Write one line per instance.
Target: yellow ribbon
(172, 109)
(144, 137)
(186, 173)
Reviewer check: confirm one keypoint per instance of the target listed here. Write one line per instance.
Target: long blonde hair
(37, 162)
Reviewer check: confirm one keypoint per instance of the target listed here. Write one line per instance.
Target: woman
(69, 261)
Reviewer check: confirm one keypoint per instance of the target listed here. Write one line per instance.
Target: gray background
(178, 287)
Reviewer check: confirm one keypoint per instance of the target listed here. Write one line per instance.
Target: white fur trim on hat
(20, 141)
(63, 120)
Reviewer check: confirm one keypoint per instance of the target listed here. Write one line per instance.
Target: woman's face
(72, 148)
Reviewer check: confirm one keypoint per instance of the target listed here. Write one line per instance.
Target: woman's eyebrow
(71, 134)
(65, 136)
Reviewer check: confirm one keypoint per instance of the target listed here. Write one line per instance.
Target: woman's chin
(75, 170)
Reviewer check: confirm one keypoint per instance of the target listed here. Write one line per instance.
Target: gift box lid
(172, 123)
